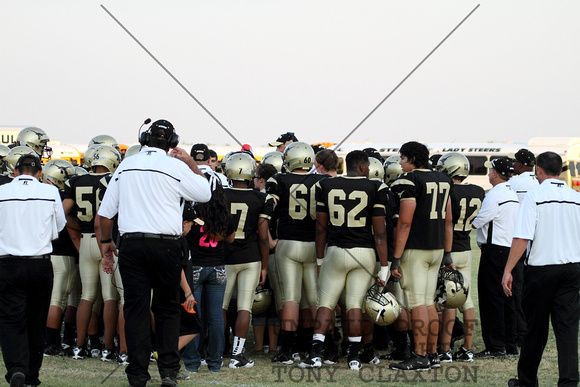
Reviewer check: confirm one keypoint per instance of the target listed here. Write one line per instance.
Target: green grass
(58, 371)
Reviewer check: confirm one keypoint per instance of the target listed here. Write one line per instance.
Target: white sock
(238, 345)
(356, 339)
(318, 337)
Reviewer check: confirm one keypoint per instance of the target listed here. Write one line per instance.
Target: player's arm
(264, 242)
(108, 248)
(380, 236)
(321, 232)
(406, 213)
(447, 261)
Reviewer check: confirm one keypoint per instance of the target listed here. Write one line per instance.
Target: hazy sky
(315, 67)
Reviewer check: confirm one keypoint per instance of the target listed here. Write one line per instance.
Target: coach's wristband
(395, 263)
(319, 261)
(106, 240)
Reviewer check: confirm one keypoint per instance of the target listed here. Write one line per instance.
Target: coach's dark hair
(215, 214)
(354, 159)
(550, 162)
(416, 153)
(328, 159)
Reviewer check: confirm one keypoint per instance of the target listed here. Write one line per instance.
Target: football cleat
(80, 353)
(239, 361)
(283, 358)
(123, 358)
(354, 365)
(463, 354)
(311, 362)
(434, 360)
(53, 350)
(446, 357)
(416, 363)
(108, 355)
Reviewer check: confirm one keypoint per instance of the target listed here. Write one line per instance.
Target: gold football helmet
(133, 150)
(298, 155)
(262, 300)
(240, 167)
(392, 168)
(14, 155)
(88, 156)
(79, 171)
(381, 307)
(104, 139)
(36, 139)
(376, 169)
(452, 289)
(274, 158)
(106, 156)
(454, 165)
(4, 150)
(57, 171)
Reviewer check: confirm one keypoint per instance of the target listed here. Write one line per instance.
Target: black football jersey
(247, 206)
(351, 203)
(296, 207)
(465, 204)
(84, 191)
(5, 179)
(63, 245)
(430, 190)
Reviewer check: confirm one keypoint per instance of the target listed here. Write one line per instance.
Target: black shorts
(189, 322)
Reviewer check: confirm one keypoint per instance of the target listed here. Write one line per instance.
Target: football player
(81, 193)
(350, 219)
(424, 232)
(36, 139)
(247, 256)
(295, 254)
(3, 153)
(64, 253)
(465, 204)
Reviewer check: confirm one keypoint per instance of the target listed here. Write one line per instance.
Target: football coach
(146, 192)
(25, 268)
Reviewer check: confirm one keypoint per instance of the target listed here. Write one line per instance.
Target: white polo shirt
(147, 190)
(222, 178)
(522, 183)
(550, 218)
(501, 207)
(32, 216)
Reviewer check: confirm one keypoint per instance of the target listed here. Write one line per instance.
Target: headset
(165, 126)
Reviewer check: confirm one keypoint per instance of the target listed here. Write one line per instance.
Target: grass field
(59, 371)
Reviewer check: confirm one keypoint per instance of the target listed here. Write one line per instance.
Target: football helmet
(57, 171)
(104, 139)
(452, 289)
(224, 159)
(132, 151)
(454, 165)
(392, 168)
(240, 167)
(298, 155)
(87, 157)
(79, 171)
(106, 156)
(4, 150)
(36, 139)
(376, 169)
(15, 153)
(274, 158)
(262, 300)
(381, 307)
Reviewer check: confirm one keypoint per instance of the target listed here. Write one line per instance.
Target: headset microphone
(147, 121)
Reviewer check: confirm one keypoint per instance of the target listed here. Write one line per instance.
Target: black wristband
(106, 241)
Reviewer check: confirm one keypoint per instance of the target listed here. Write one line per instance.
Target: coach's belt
(134, 235)
(45, 256)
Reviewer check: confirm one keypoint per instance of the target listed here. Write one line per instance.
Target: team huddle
(289, 247)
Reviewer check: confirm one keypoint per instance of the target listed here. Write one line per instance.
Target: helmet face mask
(262, 300)
(240, 167)
(454, 165)
(298, 155)
(452, 289)
(106, 156)
(36, 139)
(392, 168)
(58, 171)
(381, 307)
(4, 150)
